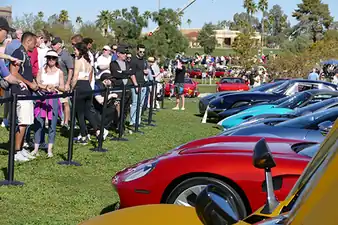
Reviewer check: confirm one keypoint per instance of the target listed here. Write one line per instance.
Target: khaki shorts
(25, 112)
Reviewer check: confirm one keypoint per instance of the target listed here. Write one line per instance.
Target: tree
(104, 20)
(243, 22)
(314, 16)
(63, 17)
(263, 6)
(41, 15)
(92, 31)
(246, 48)
(250, 7)
(79, 20)
(189, 22)
(167, 40)
(207, 39)
(277, 20)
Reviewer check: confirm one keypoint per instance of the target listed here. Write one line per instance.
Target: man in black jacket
(122, 74)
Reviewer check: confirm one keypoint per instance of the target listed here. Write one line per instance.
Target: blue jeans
(40, 122)
(134, 104)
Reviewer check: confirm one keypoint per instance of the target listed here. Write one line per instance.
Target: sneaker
(19, 157)
(33, 153)
(176, 108)
(83, 141)
(88, 137)
(49, 155)
(27, 154)
(77, 138)
(3, 124)
(183, 109)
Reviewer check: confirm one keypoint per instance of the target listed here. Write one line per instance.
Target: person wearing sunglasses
(50, 80)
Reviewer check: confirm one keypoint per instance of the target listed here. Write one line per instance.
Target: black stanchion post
(10, 168)
(121, 123)
(163, 95)
(138, 108)
(103, 116)
(69, 160)
(150, 114)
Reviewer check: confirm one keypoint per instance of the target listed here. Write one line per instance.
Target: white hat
(52, 53)
(106, 47)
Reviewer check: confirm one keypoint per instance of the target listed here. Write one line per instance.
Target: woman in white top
(50, 80)
(83, 73)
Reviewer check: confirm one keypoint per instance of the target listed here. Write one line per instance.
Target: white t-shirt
(42, 51)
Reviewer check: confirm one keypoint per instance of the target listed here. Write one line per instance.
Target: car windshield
(316, 106)
(283, 87)
(310, 151)
(231, 80)
(187, 81)
(267, 87)
(295, 100)
(281, 100)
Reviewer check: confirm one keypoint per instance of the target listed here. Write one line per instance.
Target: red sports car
(195, 73)
(231, 84)
(190, 88)
(178, 176)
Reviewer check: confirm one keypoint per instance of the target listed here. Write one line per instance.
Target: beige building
(224, 38)
(6, 12)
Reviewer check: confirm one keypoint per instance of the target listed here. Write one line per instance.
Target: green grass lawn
(55, 194)
(223, 51)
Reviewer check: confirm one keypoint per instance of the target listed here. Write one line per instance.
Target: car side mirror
(213, 208)
(325, 126)
(263, 159)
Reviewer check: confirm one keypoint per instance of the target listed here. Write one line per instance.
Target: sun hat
(52, 53)
(106, 47)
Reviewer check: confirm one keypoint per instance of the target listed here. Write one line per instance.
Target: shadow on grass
(63, 156)
(5, 172)
(110, 208)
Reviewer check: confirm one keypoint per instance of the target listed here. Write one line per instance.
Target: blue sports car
(312, 127)
(299, 100)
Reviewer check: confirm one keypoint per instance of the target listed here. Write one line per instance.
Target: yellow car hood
(163, 214)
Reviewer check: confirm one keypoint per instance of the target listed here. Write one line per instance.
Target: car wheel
(186, 192)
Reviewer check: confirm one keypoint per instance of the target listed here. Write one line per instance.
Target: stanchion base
(11, 183)
(69, 163)
(151, 125)
(118, 139)
(99, 150)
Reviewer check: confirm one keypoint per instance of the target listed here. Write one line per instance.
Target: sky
(200, 12)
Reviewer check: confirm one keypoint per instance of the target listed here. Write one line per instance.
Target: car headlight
(141, 171)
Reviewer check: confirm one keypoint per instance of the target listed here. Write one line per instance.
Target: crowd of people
(36, 64)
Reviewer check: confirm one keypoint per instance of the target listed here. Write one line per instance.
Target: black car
(204, 102)
(230, 104)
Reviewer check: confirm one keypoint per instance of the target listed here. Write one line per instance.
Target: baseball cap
(121, 49)
(151, 59)
(56, 40)
(4, 25)
(106, 47)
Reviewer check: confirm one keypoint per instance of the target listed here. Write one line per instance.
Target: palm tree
(103, 21)
(41, 15)
(63, 17)
(263, 6)
(189, 22)
(251, 8)
(79, 20)
(116, 14)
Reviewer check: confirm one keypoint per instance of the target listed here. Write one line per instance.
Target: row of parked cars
(248, 173)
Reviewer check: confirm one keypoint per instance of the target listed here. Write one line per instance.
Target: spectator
(77, 38)
(82, 75)
(179, 84)
(15, 43)
(66, 65)
(34, 60)
(89, 42)
(103, 61)
(24, 108)
(314, 75)
(111, 119)
(128, 57)
(122, 74)
(49, 79)
(114, 52)
(139, 67)
(42, 43)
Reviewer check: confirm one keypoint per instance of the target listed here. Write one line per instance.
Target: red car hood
(237, 145)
